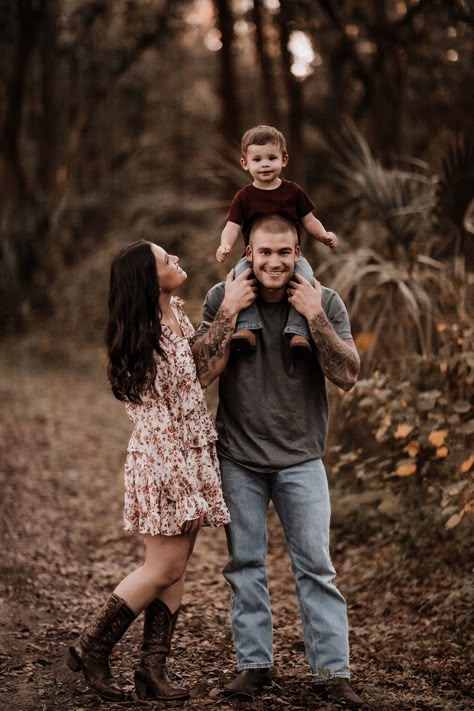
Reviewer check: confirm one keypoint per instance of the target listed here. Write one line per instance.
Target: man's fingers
(230, 277)
(245, 275)
(299, 278)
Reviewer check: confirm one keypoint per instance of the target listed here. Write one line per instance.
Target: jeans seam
(308, 617)
(254, 666)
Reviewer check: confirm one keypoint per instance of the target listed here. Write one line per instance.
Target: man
(272, 421)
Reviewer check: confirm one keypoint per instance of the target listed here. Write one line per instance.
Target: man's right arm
(211, 349)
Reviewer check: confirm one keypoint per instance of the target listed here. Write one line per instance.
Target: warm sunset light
(303, 54)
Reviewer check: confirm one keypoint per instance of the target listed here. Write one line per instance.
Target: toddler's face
(264, 163)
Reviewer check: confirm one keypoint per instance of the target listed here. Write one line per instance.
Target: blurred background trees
(122, 118)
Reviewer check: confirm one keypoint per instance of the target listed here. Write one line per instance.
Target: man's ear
(248, 252)
(297, 252)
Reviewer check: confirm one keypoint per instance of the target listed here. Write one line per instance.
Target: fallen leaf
(412, 448)
(406, 469)
(437, 437)
(402, 431)
(467, 464)
(442, 452)
(461, 406)
(454, 520)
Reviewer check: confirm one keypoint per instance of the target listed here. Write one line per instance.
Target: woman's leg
(165, 563)
(163, 570)
(161, 615)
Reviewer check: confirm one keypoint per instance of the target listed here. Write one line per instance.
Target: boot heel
(141, 687)
(72, 661)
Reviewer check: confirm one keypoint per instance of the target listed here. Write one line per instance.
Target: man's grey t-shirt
(273, 408)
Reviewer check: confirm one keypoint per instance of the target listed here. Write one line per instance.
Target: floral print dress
(171, 471)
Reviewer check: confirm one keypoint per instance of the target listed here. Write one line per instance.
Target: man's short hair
(259, 135)
(273, 224)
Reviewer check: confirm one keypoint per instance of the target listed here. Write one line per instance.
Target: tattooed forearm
(211, 350)
(338, 359)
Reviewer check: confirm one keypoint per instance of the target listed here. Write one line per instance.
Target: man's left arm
(338, 357)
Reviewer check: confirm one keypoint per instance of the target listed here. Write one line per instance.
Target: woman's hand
(192, 525)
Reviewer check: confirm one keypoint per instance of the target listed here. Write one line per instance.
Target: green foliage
(393, 305)
(416, 427)
(400, 198)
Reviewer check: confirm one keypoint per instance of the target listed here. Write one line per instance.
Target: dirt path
(62, 445)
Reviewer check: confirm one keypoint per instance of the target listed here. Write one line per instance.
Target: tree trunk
(230, 112)
(18, 40)
(296, 169)
(268, 81)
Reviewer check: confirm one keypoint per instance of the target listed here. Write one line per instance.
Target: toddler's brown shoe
(300, 344)
(244, 341)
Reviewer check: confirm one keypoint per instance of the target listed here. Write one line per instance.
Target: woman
(172, 483)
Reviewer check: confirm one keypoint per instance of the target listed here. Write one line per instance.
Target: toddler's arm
(316, 230)
(228, 238)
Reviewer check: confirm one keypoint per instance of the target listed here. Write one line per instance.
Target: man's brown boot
(243, 341)
(151, 678)
(300, 345)
(248, 682)
(90, 652)
(340, 692)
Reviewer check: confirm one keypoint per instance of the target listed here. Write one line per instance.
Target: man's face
(273, 257)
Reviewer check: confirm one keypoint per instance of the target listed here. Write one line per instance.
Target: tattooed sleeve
(211, 350)
(338, 358)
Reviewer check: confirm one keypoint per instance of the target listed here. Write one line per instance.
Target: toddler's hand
(222, 253)
(330, 240)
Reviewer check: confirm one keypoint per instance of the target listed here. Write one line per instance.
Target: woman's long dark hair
(133, 327)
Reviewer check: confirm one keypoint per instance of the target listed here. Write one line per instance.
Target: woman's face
(170, 274)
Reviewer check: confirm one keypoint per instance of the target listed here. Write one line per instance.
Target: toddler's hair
(259, 135)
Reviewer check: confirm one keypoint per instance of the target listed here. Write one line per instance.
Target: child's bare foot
(243, 341)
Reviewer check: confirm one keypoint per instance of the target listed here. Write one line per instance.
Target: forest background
(122, 119)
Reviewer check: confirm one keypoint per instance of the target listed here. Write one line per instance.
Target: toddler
(264, 155)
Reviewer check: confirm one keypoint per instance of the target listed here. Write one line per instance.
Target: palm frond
(395, 306)
(400, 198)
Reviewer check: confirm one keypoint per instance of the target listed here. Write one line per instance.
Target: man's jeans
(301, 499)
(296, 324)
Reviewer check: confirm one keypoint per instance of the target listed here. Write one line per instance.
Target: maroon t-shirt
(251, 203)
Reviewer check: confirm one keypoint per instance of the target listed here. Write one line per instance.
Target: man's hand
(305, 297)
(330, 240)
(222, 253)
(240, 292)
(192, 525)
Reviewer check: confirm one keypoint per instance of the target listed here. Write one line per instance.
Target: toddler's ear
(285, 160)
(244, 164)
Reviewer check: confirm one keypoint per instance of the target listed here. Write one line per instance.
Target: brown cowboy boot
(90, 652)
(151, 678)
(340, 692)
(248, 682)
